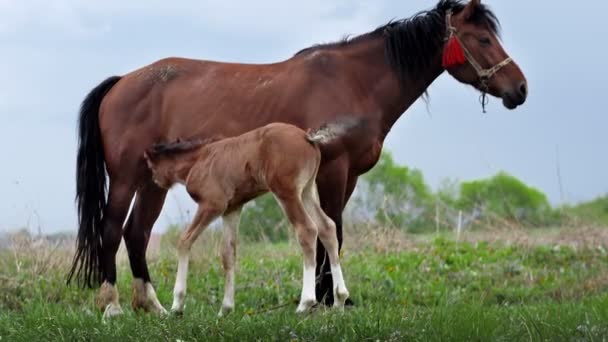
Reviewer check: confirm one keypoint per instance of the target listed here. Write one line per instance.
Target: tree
(263, 219)
(398, 194)
(506, 197)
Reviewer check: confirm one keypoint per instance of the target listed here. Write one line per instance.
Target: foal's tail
(332, 131)
(90, 188)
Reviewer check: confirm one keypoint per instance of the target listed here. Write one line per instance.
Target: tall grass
(533, 287)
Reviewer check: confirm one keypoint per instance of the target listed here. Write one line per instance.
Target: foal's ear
(470, 8)
(148, 158)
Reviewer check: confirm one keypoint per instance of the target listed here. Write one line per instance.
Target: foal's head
(169, 163)
(474, 55)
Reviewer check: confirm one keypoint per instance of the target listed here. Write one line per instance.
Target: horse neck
(391, 94)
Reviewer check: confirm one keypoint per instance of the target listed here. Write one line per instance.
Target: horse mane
(411, 43)
(179, 147)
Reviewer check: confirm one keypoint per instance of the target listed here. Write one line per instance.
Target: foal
(223, 175)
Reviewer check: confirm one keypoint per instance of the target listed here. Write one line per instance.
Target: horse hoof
(340, 298)
(225, 310)
(177, 313)
(162, 311)
(306, 306)
(112, 310)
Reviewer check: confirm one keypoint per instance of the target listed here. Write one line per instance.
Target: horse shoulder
(367, 157)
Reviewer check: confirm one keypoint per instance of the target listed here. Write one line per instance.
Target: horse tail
(333, 131)
(90, 189)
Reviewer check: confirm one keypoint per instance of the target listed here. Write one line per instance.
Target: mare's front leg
(332, 185)
(204, 215)
(231, 225)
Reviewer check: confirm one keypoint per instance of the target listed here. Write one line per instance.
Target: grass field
(429, 288)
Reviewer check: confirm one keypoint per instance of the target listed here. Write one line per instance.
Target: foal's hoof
(341, 296)
(176, 313)
(162, 312)
(177, 310)
(225, 310)
(112, 310)
(306, 306)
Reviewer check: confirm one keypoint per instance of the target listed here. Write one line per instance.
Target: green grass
(439, 291)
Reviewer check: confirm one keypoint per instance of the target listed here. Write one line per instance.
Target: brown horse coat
(222, 176)
(376, 76)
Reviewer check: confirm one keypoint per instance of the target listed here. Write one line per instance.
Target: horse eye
(485, 41)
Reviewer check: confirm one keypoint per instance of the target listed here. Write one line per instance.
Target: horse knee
(228, 256)
(112, 234)
(184, 244)
(327, 229)
(307, 236)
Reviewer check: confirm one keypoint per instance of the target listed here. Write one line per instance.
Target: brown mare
(377, 75)
(222, 176)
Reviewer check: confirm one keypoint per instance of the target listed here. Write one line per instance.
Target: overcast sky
(53, 52)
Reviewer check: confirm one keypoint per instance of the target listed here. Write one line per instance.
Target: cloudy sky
(54, 51)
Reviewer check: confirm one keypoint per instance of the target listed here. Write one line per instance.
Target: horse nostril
(523, 89)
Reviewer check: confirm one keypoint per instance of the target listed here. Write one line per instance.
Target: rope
(485, 75)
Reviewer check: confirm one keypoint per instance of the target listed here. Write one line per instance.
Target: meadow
(507, 285)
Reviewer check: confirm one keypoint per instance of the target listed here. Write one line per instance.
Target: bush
(263, 219)
(398, 195)
(506, 197)
(594, 212)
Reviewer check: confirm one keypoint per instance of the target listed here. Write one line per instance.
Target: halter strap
(484, 74)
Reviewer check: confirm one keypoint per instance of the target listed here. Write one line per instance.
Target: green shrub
(506, 197)
(398, 195)
(593, 212)
(263, 219)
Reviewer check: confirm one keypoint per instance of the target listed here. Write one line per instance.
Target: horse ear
(149, 157)
(470, 8)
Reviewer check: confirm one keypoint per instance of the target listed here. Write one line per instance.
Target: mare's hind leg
(204, 215)
(119, 200)
(306, 232)
(148, 205)
(327, 235)
(231, 225)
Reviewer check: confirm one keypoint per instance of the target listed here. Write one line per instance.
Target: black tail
(90, 188)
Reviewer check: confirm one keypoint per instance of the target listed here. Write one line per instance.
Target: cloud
(80, 19)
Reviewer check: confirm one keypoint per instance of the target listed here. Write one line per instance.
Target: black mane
(411, 43)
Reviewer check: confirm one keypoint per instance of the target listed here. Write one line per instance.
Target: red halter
(456, 53)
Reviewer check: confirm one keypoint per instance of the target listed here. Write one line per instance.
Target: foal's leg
(306, 232)
(148, 204)
(231, 225)
(204, 215)
(327, 235)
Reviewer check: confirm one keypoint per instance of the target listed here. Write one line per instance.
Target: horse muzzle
(516, 96)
